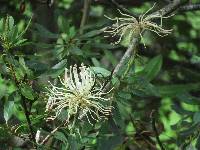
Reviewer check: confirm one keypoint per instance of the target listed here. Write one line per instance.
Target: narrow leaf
(8, 110)
(27, 92)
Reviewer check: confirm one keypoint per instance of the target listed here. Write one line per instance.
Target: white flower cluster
(133, 27)
(79, 94)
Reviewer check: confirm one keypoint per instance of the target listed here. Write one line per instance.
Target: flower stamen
(80, 95)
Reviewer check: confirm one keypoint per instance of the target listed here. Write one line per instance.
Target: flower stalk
(134, 27)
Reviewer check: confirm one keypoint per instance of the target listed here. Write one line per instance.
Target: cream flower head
(134, 27)
(79, 94)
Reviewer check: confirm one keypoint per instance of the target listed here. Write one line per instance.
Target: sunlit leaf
(42, 31)
(152, 68)
(173, 90)
(101, 72)
(8, 110)
(27, 92)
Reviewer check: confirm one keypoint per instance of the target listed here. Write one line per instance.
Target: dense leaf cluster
(155, 98)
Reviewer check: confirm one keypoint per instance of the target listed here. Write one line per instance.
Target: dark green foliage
(163, 78)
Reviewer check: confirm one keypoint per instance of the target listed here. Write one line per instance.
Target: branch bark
(164, 11)
(26, 112)
(155, 130)
(52, 132)
(127, 55)
(190, 7)
(169, 8)
(86, 9)
(120, 7)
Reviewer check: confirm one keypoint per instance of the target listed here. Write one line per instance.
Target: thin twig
(48, 136)
(155, 130)
(164, 11)
(130, 63)
(52, 132)
(174, 5)
(146, 139)
(86, 9)
(190, 7)
(28, 119)
(127, 55)
(26, 112)
(120, 7)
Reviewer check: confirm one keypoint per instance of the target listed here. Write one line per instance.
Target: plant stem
(130, 63)
(127, 55)
(86, 9)
(24, 105)
(156, 131)
(174, 5)
(52, 132)
(28, 119)
(120, 7)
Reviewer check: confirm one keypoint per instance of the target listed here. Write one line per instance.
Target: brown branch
(129, 52)
(190, 7)
(127, 55)
(121, 2)
(48, 136)
(120, 7)
(164, 11)
(86, 9)
(52, 132)
(168, 9)
(24, 105)
(155, 130)
(28, 118)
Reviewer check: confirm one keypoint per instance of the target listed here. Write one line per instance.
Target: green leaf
(95, 62)
(20, 42)
(115, 81)
(103, 46)
(189, 99)
(12, 34)
(60, 64)
(124, 95)
(91, 34)
(153, 67)
(6, 87)
(42, 31)
(110, 57)
(10, 22)
(61, 136)
(8, 110)
(142, 87)
(178, 109)
(173, 90)
(56, 70)
(27, 91)
(100, 71)
(63, 24)
(2, 25)
(110, 143)
(24, 66)
(72, 31)
(198, 143)
(19, 73)
(73, 142)
(76, 51)
(196, 117)
(22, 63)
(190, 147)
